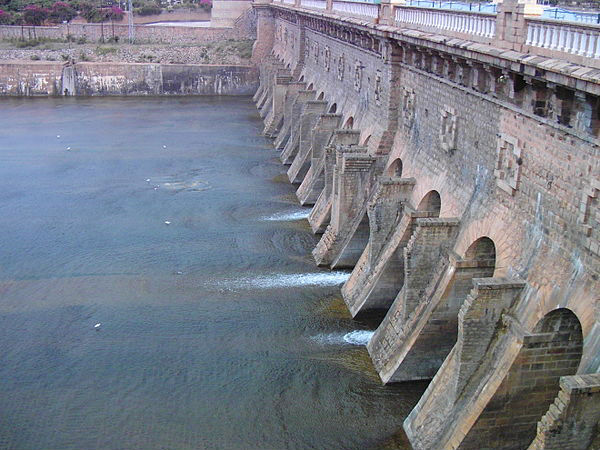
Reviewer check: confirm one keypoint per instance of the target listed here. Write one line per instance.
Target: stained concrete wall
(40, 78)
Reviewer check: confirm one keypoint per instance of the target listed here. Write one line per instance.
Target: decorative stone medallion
(408, 107)
(327, 58)
(378, 87)
(448, 129)
(340, 68)
(508, 163)
(357, 75)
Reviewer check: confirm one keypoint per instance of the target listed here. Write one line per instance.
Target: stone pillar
(308, 121)
(572, 421)
(275, 116)
(293, 88)
(265, 32)
(420, 328)
(310, 169)
(339, 246)
(511, 28)
(321, 213)
(473, 371)
(386, 13)
(291, 147)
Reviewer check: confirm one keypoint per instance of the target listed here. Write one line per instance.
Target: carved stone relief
(358, 67)
(448, 129)
(508, 163)
(340, 68)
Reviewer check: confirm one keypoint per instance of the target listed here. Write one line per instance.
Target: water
(210, 325)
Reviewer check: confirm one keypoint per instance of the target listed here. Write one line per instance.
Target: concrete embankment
(48, 78)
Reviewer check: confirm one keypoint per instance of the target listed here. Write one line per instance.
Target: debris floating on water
(147, 180)
(167, 222)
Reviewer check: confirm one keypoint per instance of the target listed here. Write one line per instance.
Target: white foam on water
(288, 280)
(289, 216)
(356, 337)
(299, 279)
(329, 339)
(359, 337)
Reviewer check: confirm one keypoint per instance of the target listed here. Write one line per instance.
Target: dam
(417, 180)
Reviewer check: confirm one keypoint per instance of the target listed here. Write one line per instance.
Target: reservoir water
(167, 222)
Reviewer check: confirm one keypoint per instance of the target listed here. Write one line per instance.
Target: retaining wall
(42, 78)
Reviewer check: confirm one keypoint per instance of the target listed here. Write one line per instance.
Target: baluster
(570, 41)
(583, 42)
(555, 37)
(547, 36)
(596, 48)
(562, 41)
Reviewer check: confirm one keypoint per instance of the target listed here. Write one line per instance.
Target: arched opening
(431, 203)
(301, 80)
(395, 169)
(366, 141)
(349, 123)
(482, 249)
(288, 66)
(551, 351)
(321, 96)
(310, 87)
(333, 108)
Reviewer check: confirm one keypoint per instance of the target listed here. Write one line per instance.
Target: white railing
(289, 2)
(564, 37)
(317, 4)
(356, 8)
(476, 24)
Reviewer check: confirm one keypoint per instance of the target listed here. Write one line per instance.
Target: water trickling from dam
(163, 221)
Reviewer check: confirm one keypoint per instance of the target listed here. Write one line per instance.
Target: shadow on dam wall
(48, 78)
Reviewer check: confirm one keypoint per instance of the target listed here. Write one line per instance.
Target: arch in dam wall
(395, 168)
(431, 203)
(467, 286)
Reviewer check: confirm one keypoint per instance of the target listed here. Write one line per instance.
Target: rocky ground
(224, 52)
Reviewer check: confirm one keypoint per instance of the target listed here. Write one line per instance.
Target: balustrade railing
(356, 8)
(472, 23)
(581, 39)
(315, 4)
(564, 37)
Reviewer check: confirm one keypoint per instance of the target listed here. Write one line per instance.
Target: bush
(35, 57)
(61, 12)
(5, 17)
(148, 10)
(35, 15)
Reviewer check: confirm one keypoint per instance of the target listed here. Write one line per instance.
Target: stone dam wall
(460, 182)
(41, 78)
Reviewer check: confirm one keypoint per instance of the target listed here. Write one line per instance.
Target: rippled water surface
(163, 220)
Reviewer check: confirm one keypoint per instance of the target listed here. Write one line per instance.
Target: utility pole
(130, 21)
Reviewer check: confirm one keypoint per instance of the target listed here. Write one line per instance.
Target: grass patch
(241, 48)
(105, 50)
